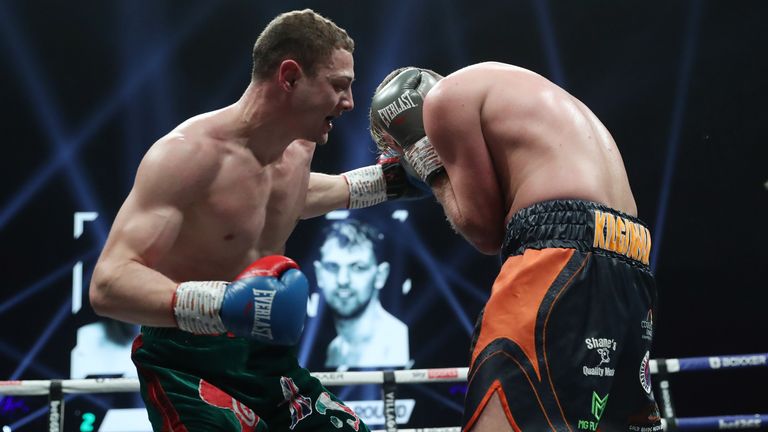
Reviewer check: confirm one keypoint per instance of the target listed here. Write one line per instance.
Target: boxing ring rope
(661, 368)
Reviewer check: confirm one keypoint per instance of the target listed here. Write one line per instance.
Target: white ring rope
(661, 367)
(121, 385)
(410, 376)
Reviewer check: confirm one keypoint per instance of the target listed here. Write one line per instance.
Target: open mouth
(329, 122)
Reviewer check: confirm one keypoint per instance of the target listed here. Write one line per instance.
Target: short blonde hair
(304, 36)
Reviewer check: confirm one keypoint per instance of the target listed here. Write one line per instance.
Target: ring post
(56, 407)
(389, 389)
(666, 406)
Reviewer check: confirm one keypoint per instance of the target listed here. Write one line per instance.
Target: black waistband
(583, 225)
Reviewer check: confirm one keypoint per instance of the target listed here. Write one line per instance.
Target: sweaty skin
(222, 190)
(510, 138)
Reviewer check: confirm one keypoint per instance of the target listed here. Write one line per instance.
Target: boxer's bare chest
(248, 212)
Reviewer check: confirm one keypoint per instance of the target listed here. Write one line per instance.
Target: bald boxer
(195, 254)
(524, 169)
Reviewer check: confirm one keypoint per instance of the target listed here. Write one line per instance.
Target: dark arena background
(88, 86)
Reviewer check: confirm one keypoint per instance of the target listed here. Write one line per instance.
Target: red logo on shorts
(212, 395)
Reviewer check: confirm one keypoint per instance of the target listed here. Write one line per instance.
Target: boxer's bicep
(144, 232)
(150, 219)
(124, 284)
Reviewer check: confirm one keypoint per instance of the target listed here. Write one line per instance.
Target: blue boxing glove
(267, 302)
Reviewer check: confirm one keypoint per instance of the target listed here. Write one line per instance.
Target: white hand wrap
(196, 307)
(423, 158)
(367, 186)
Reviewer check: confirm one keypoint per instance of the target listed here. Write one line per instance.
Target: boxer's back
(519, 148)
(542, 142)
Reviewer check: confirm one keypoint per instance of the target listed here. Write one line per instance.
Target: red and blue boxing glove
(267, 302)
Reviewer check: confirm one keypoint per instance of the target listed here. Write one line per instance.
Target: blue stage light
(67, 149)
(46, 281)
(310, 332)
(547, 31)
(53, 325)
(434, 269)
(678, 113)
(34, 83)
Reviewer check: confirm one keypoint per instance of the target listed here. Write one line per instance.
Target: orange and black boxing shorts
(564, 339)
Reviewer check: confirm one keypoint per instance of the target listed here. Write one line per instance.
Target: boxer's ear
(382, 273)
(288, 74)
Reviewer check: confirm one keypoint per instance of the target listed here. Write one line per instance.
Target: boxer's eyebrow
(337, 77)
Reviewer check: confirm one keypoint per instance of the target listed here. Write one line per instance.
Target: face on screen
(348, 276)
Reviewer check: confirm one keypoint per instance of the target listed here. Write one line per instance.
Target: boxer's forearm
(325, 193)
(131, 292)
(483, 236)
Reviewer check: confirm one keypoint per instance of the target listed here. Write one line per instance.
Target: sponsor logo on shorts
(595, 343)
(214, 396)
(737, 361)
(300, 407)
(327, 406)
(647, 326)
(620, 235)
(646, 419)
(598, 371)
(598, 408)
(654, 428)
(598, 405)
(645, 372)
(402, 103)
(603, 347)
